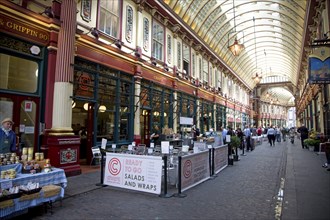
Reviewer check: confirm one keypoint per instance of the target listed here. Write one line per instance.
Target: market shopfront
(102, 106)
(21, 88)
(156, 104)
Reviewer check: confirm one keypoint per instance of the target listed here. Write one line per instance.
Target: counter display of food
(51, 185)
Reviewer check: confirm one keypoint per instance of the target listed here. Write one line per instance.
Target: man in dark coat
(303, 134)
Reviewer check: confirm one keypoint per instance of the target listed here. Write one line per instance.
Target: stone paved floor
(282, 182)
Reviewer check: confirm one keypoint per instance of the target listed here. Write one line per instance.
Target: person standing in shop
(155, 137)
(7, 137)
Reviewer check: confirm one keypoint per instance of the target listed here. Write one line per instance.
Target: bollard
(102, 169)
(165, 195)
(179, 194)
(230, 156)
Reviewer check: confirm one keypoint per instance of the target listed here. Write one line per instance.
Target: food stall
(26, 182)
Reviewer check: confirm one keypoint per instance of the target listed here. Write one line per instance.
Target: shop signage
(186, 88)
(195, 169)
(205, 95)
(23, 29)
(85, 85)
(135, 172)
(220, 158)
(319, 66)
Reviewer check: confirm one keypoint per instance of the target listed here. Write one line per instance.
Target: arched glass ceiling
(281, 94)
(273, 41)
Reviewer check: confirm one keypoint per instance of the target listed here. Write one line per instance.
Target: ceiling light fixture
(256, 78)
(102, 108)
(236, 48)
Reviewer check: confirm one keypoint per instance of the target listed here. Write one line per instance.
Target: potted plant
(312, 143)
(235, 142)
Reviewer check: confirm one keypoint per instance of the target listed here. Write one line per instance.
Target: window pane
(123, 125)
(28, 119)
(18, 74)
(105, 125)
(158, 41)
(109, 17)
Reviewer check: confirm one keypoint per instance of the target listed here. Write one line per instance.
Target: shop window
(6, 106)
(157, 41)
(109, 21)
(28, 113)
(18, 74)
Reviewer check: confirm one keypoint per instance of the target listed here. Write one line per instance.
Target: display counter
(52, 183)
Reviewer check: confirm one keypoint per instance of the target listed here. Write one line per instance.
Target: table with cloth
(52, 183)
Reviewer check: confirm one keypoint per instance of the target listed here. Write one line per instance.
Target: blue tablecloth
(16, 166)
(55, 177)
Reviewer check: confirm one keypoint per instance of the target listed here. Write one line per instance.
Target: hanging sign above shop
(319, 66)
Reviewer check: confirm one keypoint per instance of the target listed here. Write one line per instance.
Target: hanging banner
(195, 169)
(319, 66)
(135, 172)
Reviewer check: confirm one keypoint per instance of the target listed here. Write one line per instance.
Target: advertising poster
(135, 172)
(220, 158)
(195, 169)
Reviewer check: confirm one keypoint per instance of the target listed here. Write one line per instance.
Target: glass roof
(271, 31)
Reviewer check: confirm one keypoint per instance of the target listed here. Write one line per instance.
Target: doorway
(145, 127)
(82, 125)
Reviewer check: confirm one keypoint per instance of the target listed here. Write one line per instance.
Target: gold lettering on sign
(9, 24)
(158, 78)
(22, 29)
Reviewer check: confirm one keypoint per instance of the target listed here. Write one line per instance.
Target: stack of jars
(8, 158)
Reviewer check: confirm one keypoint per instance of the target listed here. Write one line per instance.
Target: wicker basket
(28, 192)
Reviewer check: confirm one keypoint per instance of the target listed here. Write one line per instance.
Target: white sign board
(186, 121)
(135, 172)
(104, 143)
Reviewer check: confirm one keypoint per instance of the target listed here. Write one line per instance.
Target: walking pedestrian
(271, 135)
(303, 131)
(224, 133)
(247, 134)
(278, 134)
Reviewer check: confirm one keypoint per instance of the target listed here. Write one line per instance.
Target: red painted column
(61, 143)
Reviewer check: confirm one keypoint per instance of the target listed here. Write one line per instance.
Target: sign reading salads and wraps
(135, 172)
